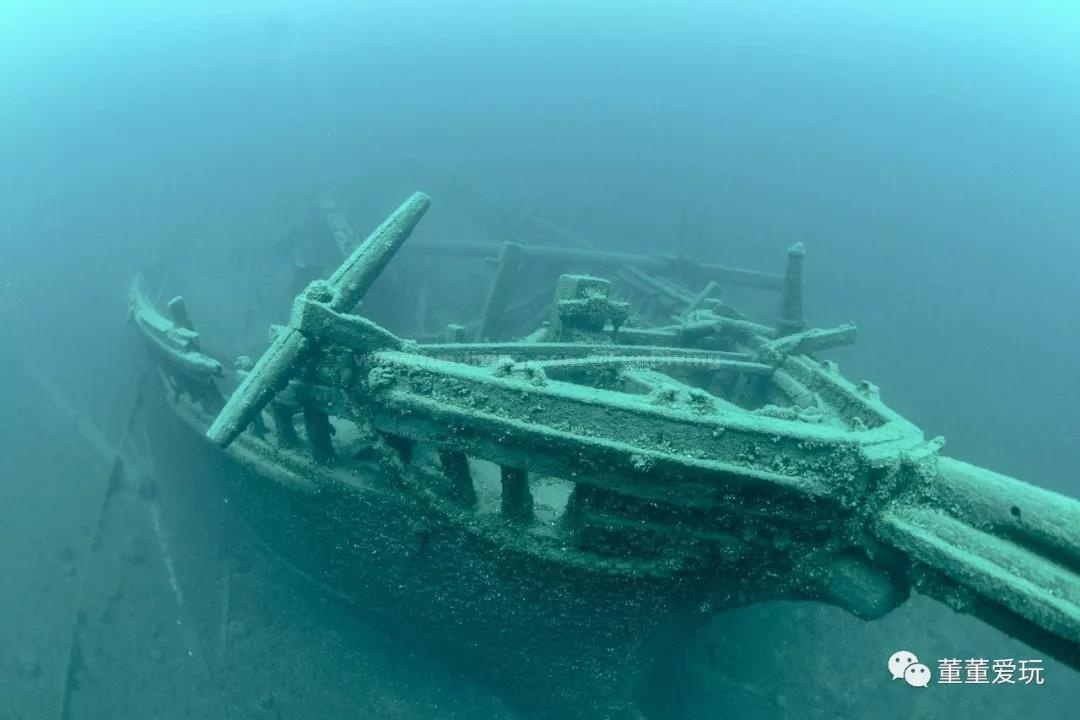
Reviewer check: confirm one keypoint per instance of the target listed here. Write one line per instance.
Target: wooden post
(283, 425)
(791, 309)
(319, 432)
(455, 333)
(499, 293)
(258, 425)
(517, 500)
(403, 446)
(455, 466)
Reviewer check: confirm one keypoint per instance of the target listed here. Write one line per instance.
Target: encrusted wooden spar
(487, 353)
(345, 287)
(791, 308)
(187, 369)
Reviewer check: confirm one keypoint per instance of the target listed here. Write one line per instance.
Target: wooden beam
(499, 292)
(344, 289)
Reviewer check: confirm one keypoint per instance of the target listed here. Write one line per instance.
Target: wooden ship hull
(556, 514)
(462, 595)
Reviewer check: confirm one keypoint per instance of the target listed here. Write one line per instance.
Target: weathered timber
(706, 292)
(516, 501)
(485, 353)
(646, 361)
(342, 291)
(791, 308)
(177, 345)
(455, 465)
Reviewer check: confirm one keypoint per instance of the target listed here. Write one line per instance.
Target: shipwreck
(560, 491)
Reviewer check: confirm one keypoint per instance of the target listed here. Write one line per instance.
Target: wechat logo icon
(904, 665)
